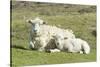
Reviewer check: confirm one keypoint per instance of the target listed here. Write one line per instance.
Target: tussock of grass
(67, 16)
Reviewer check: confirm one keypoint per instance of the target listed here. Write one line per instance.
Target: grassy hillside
(80, 18)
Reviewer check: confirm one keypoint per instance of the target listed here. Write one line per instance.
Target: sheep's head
(36, 24)
(58, 40)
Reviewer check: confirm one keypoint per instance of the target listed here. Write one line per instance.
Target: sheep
(41, 35)
(73, 45)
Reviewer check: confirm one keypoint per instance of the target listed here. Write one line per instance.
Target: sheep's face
(35, 28)
(36, 25)
(58, 40)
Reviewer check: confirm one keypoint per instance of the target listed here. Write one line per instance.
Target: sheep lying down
(41, 35)
(44, 38)
(75, 45)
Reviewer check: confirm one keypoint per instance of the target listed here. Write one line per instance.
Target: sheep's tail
(86, 48)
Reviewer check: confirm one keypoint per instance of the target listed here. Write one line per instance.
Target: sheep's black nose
(35, 30)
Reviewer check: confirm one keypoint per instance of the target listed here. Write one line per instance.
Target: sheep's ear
(29, 21)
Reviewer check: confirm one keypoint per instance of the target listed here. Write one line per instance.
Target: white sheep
(41, 34)
(73, 45)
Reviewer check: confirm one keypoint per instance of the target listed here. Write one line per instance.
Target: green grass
(36, 58)
(83, 25)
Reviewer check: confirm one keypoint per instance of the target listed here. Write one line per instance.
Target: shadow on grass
(29, 49)
(19, 47)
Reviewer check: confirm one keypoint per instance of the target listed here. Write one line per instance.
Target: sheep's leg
(74, 51)
(31, 43)
(54, 50)
(43, 45)
(70, 49)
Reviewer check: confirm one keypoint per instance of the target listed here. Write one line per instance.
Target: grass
(67, 16)
(36, 58)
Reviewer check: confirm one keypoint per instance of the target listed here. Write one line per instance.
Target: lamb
(41, 34)
(71, 45)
